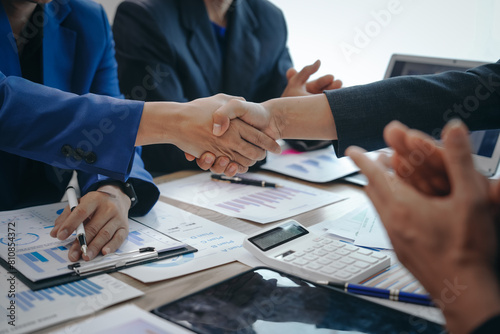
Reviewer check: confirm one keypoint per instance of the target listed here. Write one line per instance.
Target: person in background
(55, 56)
(180, 50)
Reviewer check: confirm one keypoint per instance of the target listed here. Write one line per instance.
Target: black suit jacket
(425, 102)
(167, 51)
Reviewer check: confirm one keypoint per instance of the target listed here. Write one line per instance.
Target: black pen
(392, 294)
(241, 180)
(80, 231)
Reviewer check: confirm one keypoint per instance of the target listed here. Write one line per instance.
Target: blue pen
(392, 294)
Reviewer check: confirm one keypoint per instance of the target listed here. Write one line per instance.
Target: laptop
(485, 144)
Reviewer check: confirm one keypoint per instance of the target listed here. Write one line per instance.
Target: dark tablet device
(264, 300)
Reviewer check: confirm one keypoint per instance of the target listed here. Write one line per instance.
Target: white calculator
(291, 248)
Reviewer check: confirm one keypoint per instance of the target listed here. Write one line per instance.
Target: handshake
(227, 134)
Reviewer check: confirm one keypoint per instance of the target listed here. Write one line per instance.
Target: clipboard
(83, 270)
(29, 252)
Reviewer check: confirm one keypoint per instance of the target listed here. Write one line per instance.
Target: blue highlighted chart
(29, 299)
(58, 254)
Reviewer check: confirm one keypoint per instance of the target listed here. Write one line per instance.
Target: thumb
(457, 154)
(224, 114)
(290, 73)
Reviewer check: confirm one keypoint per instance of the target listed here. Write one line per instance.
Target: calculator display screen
(278, 236)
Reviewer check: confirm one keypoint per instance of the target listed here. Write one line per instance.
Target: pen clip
(114, 260)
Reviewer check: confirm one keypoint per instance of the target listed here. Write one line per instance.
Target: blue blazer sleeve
(423, 102)
(79, 118)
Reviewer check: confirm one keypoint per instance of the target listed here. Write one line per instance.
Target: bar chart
(258, 204)
(315, 166)
(37, 309)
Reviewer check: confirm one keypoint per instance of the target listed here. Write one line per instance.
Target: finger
(290, 73)
(319, 85)
(242, 170)
(206, 160)
(59, 221)
(79, 214)
(189, 157)
(74, 252)
(232, 169)
(426, 146)
(304, 74)
(385, 160)
(457, 155)
(259, 139)
(336, 84)
(394, 136)
(99, 232)
(115, 243)
(220, 165)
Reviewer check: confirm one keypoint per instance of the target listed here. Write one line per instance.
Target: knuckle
(91, 231)
(105, 234)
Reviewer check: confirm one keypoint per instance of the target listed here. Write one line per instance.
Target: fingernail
(232, 170)
(208, 159)
(106, 251)
(63, 234)
(455, 123)
(90, 254)
(217, 129)
(223, 162)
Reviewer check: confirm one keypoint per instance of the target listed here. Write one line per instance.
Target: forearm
(307, 117)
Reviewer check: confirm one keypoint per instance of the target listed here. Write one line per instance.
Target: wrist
(304, 117)
(157, 123)
(469, 299)
(123, 191)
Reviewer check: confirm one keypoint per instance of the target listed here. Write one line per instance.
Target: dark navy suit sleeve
(490, 326)
(91, 115)
(425, 103)
(105, 81)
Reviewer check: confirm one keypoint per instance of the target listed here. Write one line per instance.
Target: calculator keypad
(340, 261)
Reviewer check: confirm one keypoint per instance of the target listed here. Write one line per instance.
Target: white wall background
(355, 38)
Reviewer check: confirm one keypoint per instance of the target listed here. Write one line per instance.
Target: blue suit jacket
(167, 50)
(78, 57)
(424, 102)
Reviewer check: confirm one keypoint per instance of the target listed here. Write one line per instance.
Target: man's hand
(190, 125)
(448, 242)
(299, 86)
(105, 214)
(418, 159)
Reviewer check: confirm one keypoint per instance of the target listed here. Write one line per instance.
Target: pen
(392, 294)
(241, 180)
(80, 230)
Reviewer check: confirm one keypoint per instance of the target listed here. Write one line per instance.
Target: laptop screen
(483, 143)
